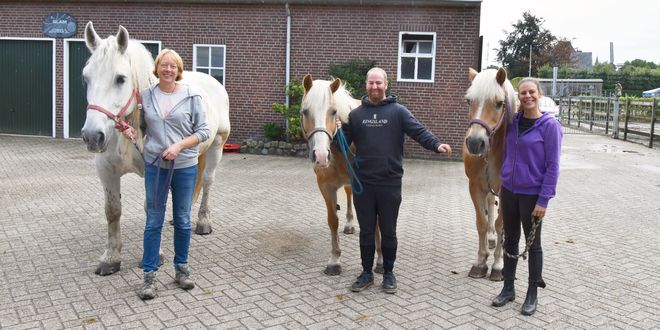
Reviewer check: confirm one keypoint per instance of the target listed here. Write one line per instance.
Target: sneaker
(365, 280)
(148, 290)
(389, 282)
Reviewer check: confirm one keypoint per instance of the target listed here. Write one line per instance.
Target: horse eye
(120, 80)
(334, 112)
(499, 104)
(468, 101)
(304, 112)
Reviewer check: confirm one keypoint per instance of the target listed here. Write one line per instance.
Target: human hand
(128, 131)
(539, 211)
(171, 152)
(338, 123)
(445, 148)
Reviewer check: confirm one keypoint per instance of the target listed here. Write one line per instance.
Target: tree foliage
(353, 73)
(528, 33)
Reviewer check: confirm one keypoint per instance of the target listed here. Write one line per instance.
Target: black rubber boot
(508, 294)
(531, 301)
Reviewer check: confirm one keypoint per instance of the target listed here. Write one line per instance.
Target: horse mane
(484, 87)
(321, 91)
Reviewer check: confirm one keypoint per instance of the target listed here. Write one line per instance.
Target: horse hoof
(379, 269)
(349, 230)
(491, 243)
(478, 271)
(203, 229)
(332, 270)
(496, 275)
(105, 268)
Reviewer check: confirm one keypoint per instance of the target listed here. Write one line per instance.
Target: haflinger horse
(323, 103)
(116, 72)
(491, 98)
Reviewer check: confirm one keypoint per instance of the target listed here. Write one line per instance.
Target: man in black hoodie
(377, 128)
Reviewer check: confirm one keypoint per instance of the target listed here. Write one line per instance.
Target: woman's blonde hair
(534, 81)
(177, 60)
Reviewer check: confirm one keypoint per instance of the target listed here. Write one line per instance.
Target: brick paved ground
(262, 266)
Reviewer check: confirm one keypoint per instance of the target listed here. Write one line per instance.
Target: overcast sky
(632, 25)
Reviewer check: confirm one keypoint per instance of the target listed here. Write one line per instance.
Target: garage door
(26, 87)
(77, 102)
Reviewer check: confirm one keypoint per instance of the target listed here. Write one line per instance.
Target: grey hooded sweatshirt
(185, 119)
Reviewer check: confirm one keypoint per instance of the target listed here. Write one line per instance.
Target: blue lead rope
(345, 149)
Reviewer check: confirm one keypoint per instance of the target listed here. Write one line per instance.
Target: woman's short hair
(177, 60)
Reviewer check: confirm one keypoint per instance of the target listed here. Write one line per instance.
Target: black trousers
(378, 204)
(516, 210)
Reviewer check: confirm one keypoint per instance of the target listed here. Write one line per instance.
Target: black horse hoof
(496, 275)
(379, 269)
(332, 270)
(105, 268)
(478, 272)
(204, 229)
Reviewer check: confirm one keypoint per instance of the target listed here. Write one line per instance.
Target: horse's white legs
(213, 157)
(330, 196)
(491, 221)
(379, 252)
(110, 261)
(479, 199)
(498, 262)
(349, 227)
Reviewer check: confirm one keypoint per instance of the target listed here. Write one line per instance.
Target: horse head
(318, 115)
(113, 76)
(491, 98)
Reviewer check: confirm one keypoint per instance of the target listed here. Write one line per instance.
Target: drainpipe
(288, 58)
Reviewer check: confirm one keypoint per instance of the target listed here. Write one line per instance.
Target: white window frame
(416, 55)
(208, 66)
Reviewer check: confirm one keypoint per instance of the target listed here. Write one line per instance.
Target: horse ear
(122, 39)
(334, 85)
(472, 73)
(307, 82)
(501, 76)
(91, 38)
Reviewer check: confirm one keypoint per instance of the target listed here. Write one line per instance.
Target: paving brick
(262, 267)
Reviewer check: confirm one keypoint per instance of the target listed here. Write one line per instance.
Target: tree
(514, 51)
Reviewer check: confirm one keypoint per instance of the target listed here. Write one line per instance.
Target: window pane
(409, 47)
(204, 70)
(408, 68)
(219, 75)
(217, 57)
(202, 56)
(424, 68)
(425, 47)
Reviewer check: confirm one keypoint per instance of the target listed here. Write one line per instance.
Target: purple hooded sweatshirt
(531, 159)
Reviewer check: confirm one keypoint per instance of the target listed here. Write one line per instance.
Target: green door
(26, 87)
(78, 56)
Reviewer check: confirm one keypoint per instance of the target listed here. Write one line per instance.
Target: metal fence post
(591, 124)
(653, 105)
(607, 117)
(615, 118)
(625, 126)
(569, 110)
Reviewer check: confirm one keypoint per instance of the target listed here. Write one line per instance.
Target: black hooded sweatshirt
(378, 133)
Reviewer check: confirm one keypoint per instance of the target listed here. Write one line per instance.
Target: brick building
(426, 47)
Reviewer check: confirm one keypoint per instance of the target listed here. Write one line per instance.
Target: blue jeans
(182, 186)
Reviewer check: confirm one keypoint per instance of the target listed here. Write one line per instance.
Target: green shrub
(291, 113)
(273, 131)
(353, 73)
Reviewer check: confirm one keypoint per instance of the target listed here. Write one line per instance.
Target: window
(416, 56)
(210, 59)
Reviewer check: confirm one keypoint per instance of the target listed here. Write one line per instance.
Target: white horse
(116, 72)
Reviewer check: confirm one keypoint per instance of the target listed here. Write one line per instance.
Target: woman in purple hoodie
(529, 179)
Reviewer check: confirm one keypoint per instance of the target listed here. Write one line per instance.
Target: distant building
(651, 93)
(582, 60)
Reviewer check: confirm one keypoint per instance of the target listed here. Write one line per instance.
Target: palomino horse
(490, 97)
(114, 75)
(323, 103)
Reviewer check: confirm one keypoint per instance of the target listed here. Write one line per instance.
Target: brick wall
(255, 37)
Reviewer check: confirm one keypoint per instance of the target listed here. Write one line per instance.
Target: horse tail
(200, 171)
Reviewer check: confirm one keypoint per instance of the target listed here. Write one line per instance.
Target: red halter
(121, 124)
